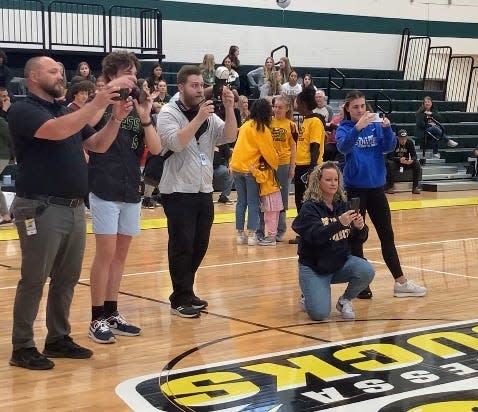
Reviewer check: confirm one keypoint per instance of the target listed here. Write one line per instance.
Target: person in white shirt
(292, 88)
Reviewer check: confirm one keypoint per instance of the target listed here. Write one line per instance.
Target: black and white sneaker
(120, 326)
(225, 200)
(147, 203)
(186, 312)
(100, 332)
(199, 304)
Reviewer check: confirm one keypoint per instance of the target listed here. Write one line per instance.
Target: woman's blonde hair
(207, 63)
(313, 191)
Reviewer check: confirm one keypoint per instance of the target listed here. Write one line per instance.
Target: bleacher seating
(406, 96)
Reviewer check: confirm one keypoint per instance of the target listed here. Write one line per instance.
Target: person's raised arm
(101, 140)
(188, 132)
(151, 138)
(62, 127)
(229, 132)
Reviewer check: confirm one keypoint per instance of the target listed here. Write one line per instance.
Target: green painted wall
(207, 13)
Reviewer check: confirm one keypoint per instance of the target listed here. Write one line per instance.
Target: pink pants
(271, 220)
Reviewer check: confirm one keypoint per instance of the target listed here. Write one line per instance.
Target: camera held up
(135, 93)
(222, 79)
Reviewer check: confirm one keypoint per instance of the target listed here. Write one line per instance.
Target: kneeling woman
(324, 225)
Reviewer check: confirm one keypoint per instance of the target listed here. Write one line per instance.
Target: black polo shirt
(115, 175)
(47, 167)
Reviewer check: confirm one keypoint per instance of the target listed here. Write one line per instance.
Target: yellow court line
(159, 223)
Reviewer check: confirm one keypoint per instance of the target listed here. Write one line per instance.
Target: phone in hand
(354, 204)
(378, 117)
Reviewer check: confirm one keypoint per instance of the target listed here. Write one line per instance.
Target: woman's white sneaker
(408, 289)
(344, 306)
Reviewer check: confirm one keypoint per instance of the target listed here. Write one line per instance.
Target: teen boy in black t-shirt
(115, 204)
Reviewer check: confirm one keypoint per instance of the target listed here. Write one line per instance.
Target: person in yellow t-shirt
(310, 145)
(271, 200)
(254, 141)
(284, 136)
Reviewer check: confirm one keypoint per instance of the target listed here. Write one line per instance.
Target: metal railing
(472, 96)
(458, 78)
(416, 57)
(145, 36)
(439, 70)
(22, 23)
(331, 82)
(76, 25)
(286, 50)
(80, 27)
(376, 105)
(403, 49)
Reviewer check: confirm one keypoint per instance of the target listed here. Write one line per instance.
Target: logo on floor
(427, 369)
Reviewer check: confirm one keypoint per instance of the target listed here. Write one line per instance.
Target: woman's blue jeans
(247, 198)
(357, 272)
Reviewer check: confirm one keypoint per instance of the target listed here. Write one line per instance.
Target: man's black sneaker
(294, 241)
(66, 348)
(186, 312)
(147, 203)
(30, 358)
(225, 200)
(365, 294)
(197, 303)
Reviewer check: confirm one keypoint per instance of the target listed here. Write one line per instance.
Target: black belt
(62, 201)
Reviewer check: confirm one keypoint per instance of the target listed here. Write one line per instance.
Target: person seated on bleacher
(233, 80)
(284, 69)
(331, 152)
(292, 88)
(308, 82)
(243, 106)
(100, 83)
(428, 121)
(156, 76)
(473, 159)
(222, 173)
(403, 157)
(4, 102)
(5, 75)
(80, 93)
(260, 79)
(208, 73)
(323, 108)
(83, 70)
(162, 96)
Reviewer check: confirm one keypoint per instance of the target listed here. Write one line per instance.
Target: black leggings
(299, 185)
(375, 203)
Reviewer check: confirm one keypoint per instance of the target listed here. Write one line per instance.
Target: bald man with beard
(51, 184)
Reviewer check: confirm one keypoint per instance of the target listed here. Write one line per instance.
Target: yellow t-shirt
(282, 137)
(267, 181)
(251, 144)
(312, 131)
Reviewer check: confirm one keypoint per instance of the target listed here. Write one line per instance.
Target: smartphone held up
(354, 204)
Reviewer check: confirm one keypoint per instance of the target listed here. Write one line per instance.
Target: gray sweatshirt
(189, 169)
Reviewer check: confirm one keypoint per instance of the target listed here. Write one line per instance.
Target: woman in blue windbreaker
(364, 141)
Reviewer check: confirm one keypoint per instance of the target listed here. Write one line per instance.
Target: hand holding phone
(354, 204)
(378, 118)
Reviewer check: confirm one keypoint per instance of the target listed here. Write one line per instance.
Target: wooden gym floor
(253, 349)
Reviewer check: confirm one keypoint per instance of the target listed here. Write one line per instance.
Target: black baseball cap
(402, 133)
